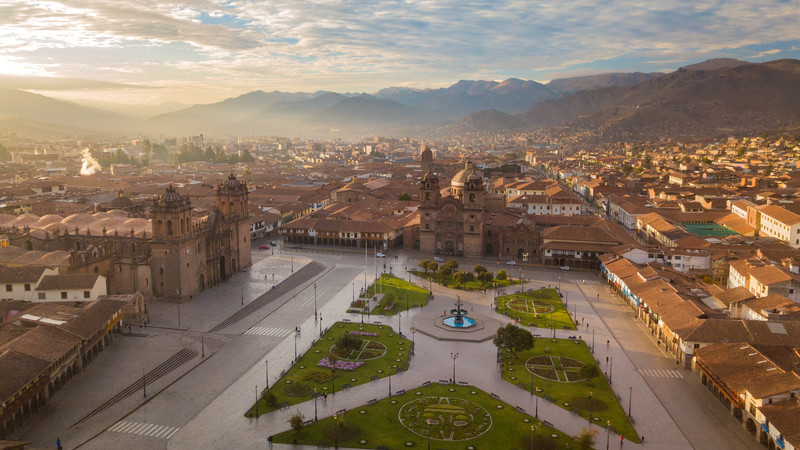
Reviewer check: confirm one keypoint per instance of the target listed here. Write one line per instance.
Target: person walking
(58, 443)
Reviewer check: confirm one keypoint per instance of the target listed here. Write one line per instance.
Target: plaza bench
(341, 411)
(377, 322)
(518, 408)
(345, 320)
(373, 378)
(494, 396)
(427, 383)
(463, 383)
(547, 424)
(373, 401)
(345, 386)
(444, 382)
(400, 392)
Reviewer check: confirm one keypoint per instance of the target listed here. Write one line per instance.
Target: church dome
(120, 202)
(172, 195)
(426, 153)
(467, 174)
(232, 183)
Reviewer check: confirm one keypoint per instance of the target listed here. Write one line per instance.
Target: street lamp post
(533, 427)
(256, 401)
(537, 406)
(336, 430)
(630, 397)
(320, 325)
(608, 432)
(413, 343)
(292, 258)
(241, 291)
(390, 384)
(428, 421)
(592, 340)
(610, 369)
(295, 344)
(315, 404)
(266, 374)
(144, 384)
(455, 357)
(315, 302)
(202, 345)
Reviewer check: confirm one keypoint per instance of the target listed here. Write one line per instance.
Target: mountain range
(717, 97)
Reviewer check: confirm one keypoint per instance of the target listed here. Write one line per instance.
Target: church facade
(172, 255)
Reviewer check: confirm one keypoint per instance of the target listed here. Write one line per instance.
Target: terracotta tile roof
(780, 214)
(734, 295)
(93, 317)
(46, 343)
(29, 274)
(67, 282)
(743, 368)
(783, 416)
(18, 370)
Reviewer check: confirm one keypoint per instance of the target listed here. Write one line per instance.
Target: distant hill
(567, 86)
(49, 111)
(716, 63)
(748, 98)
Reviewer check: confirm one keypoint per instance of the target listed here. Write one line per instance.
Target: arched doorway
(520, 254)
(222, 275)
(448, 247)
(202, 282)
(489, 250)
(233, 265)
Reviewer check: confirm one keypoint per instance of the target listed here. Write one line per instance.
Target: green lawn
(382, 355)
(468, 286)
(396, 291)
(462, 417)
(563, 361)
(539, 308)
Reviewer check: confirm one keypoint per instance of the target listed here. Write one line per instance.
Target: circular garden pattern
(555, 368)
(527, 305)
(451, 419)
(369, 350)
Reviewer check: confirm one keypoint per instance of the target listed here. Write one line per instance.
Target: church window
(427, 214)
(471, 228)
(427, 196)
(161, 271)
(29, 245)
(169, 228)
(489, 233)
(159, 227)
(133, 248)
(96, 269)
(427, 226)
(471, 216)
(472, 198)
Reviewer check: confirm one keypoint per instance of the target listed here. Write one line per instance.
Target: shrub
(296, 422)
(270, 399)
(349, 342)
(502, 275)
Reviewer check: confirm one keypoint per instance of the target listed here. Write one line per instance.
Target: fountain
(457, 318)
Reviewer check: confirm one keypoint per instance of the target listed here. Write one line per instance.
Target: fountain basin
(465, 322)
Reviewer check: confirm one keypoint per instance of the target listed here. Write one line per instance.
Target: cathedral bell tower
(171, 217)
(231, 202)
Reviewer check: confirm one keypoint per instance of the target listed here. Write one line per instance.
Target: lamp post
(202, 345)
(455, 357)
(178, 294)
(266, 374)
(590, 408)
(608, 432)
(256, 401)
(592, 340)
(336, 430)
(399, 323)
(292, 258)
(428, 421)
(144, 384)
(537, 406)
(630, 397)
(315, 302)
(390, 384)
(295, 344)
(533, 427)
(315, 404)
(610, 369)
(413, 343)
(241, 291)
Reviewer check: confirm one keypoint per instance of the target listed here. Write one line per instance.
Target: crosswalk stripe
(268, 331)
(661, 373)
(145, 429)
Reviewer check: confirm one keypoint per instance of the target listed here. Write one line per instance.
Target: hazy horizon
(206, 51)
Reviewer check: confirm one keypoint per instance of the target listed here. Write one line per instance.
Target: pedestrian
(606, 359)
(608, 343)
(642, 439)
(58, 443)
(269, 440)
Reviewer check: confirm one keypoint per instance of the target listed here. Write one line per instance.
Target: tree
(588, 371)
(445, 271)
(587, 439)
(405, 197)
(513, 338)
(4, 154)
(349, 342)
(479, 269)
(452, 265)
(270, 399)
(296, 422)
(485, 277)
(433, 265)
(467, 276)
(502, 275)
(424, 264)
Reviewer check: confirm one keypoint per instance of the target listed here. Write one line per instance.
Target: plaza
(201, 403)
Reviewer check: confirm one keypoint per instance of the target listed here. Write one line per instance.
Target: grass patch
(603, 403)
(397, 292)
(378, 353)
(467, 286)
(461, 417)
(537, 308)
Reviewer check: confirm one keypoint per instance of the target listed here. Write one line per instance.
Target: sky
(202, 51)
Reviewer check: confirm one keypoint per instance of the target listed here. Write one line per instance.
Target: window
(677, 258)
(427, 226)
(471, 228)
(63, 295)
(27, 287)
(85, 294)
(8, 288)
(42, 296)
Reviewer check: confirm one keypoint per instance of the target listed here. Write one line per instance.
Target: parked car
(512, 263)
(263, 247)
(380, 255)
(437, 259)
(564, 267)
(297, 246)
(273, 243)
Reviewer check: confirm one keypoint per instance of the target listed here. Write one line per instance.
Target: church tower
(231, 201)
(426, 158)
(429, 198)
(171, 216)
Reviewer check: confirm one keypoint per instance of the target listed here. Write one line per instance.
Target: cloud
(765, 53)
(359, 45)
(61, 84)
